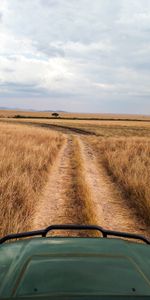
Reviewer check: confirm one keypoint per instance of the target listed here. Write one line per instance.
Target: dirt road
(60, 202)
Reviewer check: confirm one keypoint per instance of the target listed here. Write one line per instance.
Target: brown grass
(28, 152)
(108, 128)
(100, 128)
(83, 192)
(128, 162)
(26, 157)
(46, 114)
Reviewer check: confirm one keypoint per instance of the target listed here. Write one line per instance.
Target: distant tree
(55, 114)
(17, 116)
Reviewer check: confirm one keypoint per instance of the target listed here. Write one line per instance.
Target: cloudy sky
(75, 55)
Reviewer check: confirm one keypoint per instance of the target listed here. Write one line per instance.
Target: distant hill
(58, 111)
(6, 108)
(31, 109)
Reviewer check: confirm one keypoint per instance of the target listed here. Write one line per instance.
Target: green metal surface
(74, 268)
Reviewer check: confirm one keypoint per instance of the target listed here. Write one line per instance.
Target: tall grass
(26, 157)
(128, 162)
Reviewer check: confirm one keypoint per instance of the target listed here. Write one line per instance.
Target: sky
(75, 55)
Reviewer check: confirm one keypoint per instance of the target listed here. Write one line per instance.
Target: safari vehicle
(37, 266)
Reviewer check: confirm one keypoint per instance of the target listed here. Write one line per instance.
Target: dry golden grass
(107, 128)
(100, 128)
(28, 152)
(26, 157)
(47, 114)
(128, 162)
(83, 192)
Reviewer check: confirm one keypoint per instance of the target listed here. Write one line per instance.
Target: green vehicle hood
(74, 268)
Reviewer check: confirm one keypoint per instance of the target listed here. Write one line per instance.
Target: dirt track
(55, 204)
(60, 204)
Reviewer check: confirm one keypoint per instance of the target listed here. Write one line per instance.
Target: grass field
(29, 148)
(68, 115)
(26, 158)
(107, 128)
(127, 161)
(99, 128)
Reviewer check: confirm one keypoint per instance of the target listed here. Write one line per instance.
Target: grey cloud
(16, 88)
(106, 44)
(50, 51)
(8, 70)
(49, 2)
(1, 17)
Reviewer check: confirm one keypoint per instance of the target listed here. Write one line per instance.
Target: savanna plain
(76, 169)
